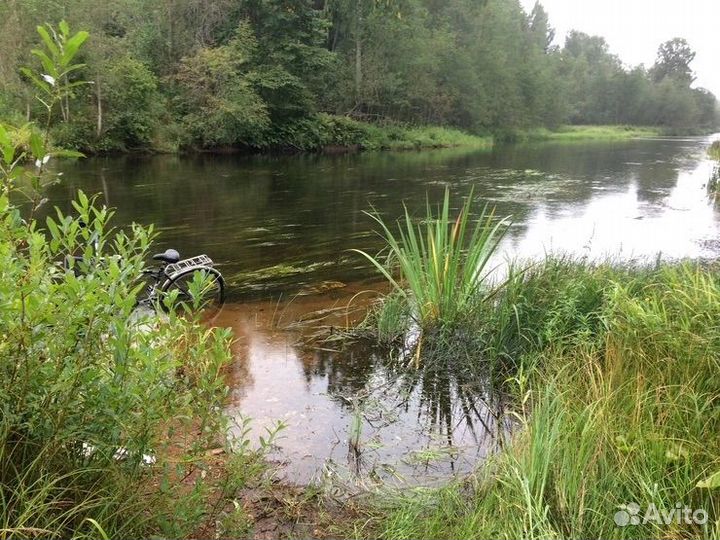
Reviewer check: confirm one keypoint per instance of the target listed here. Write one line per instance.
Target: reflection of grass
(452, 383)
(613, 373)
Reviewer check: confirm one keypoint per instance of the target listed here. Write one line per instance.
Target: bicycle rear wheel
(197, 288)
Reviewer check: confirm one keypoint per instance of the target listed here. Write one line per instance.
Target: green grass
(415, 138)
(325, 132)
(583, 133)
(613, 374)
(714, 150)
(442, 260)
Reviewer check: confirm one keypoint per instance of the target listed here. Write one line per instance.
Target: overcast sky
(635, 28)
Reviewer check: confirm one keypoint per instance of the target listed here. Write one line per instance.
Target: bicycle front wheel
(197, 288)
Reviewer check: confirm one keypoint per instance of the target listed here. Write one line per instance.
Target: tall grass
(714, 150)
(442, 261)
(618, 405)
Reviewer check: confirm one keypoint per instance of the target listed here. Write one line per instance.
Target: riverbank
(586, 133)
(610, 374)
(333, 134)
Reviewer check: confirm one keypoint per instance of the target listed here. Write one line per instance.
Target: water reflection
(280, 224)
(353, 412)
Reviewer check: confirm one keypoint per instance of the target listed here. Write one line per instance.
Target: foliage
(582, 133)
(96, 396)
(269, 74)
(219, 103)
(324, 131)
(132, 91)
(714, 150)
(442, 261)
(87, 386)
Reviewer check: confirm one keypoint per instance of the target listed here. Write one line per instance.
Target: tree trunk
(358, 52)
(98, 96)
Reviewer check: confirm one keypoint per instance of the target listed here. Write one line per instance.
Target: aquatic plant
(442, 261)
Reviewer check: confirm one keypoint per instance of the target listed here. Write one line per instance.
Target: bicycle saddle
(170, 256)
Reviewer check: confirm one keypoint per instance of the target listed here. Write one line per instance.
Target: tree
(543, 34)
(673, 60)
(217, 100)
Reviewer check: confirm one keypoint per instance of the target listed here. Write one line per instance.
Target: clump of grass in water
(442, 261)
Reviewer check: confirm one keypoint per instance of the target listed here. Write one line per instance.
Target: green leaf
(711, 482)
(42, 85)
(37, 146)
(64, 28)
(72, 46)
(7, 146)
(46, 62)
(49, 43)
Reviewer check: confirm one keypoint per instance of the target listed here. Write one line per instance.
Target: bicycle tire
(214, 296)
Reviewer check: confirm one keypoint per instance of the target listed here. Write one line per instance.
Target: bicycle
(193, 282)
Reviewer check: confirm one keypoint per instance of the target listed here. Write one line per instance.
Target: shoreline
(341, 135)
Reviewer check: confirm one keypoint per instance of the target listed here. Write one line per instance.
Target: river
(280, 230)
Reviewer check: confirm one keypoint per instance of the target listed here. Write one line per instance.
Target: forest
(167, 75)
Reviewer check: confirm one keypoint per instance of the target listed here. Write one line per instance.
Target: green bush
(88, 388)
(92, 391)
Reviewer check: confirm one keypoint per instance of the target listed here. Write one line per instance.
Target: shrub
(89, 389)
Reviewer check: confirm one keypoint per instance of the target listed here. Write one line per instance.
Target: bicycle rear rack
(199, 262)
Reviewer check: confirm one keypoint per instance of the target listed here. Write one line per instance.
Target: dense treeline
(264, 73)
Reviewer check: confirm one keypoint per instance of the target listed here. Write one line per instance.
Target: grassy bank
(609, 374)
(329, 133)
(612, 377)
(335, 134)
(324, 132)
(583, 133)
(714, 150)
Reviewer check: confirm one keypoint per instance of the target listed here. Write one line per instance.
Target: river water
(280, 229)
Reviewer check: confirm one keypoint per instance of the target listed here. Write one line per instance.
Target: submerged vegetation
(301, 75)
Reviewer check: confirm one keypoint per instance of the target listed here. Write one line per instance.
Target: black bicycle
(192, 283)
